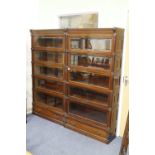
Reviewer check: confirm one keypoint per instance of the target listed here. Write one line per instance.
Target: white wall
(32, 23)
(44, 14)
(112, 13)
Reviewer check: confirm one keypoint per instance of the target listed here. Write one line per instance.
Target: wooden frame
(104, 132)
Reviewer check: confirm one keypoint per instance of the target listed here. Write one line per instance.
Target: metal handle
(126, 80)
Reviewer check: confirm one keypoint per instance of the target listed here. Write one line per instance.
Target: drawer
(47, 113)
(98, 134)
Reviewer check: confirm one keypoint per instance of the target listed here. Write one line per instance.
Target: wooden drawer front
(48, 42)
(47, 113)
(87, 130)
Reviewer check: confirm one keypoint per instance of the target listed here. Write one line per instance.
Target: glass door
(89, 96)
(50, 72)
(90, 78)
(88, 113)
(90, 61)
(90, 43)
(49, 85)
(49, 57)
(49, 100)
(55, 42)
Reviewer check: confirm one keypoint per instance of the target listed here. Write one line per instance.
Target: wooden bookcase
(76, 78)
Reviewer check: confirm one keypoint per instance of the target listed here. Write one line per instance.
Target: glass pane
(89, 95)
(49, 71)
(91, 61)
(50, 42)
(91, 43)
(49, 100)
(90, 78)
(53, 85)
(88, 112)
(49, 57)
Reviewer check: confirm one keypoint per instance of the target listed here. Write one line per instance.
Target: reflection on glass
(91, 61)
(50, 42)
(49, 71)
(49, 100)
(49, 57)
(90, 78)
(88, 112)
(89, 95)
(91, 43)
(53, 85)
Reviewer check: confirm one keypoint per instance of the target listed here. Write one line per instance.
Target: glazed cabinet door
(50, 72)
(90, 61)
(89, 79)
(48, 100)
(48, 57)
(88, 114)
(100, 100)
(48, 42)
(49, 85)
(91, 42)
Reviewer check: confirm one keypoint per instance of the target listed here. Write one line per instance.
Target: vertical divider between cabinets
(65, 75)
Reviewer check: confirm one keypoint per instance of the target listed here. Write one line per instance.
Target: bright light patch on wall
(86, 20)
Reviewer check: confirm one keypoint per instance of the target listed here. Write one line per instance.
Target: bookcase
(76, 78)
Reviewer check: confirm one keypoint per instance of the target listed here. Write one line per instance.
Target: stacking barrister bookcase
(76, 78)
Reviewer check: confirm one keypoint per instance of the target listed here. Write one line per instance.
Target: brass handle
(126, 80)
